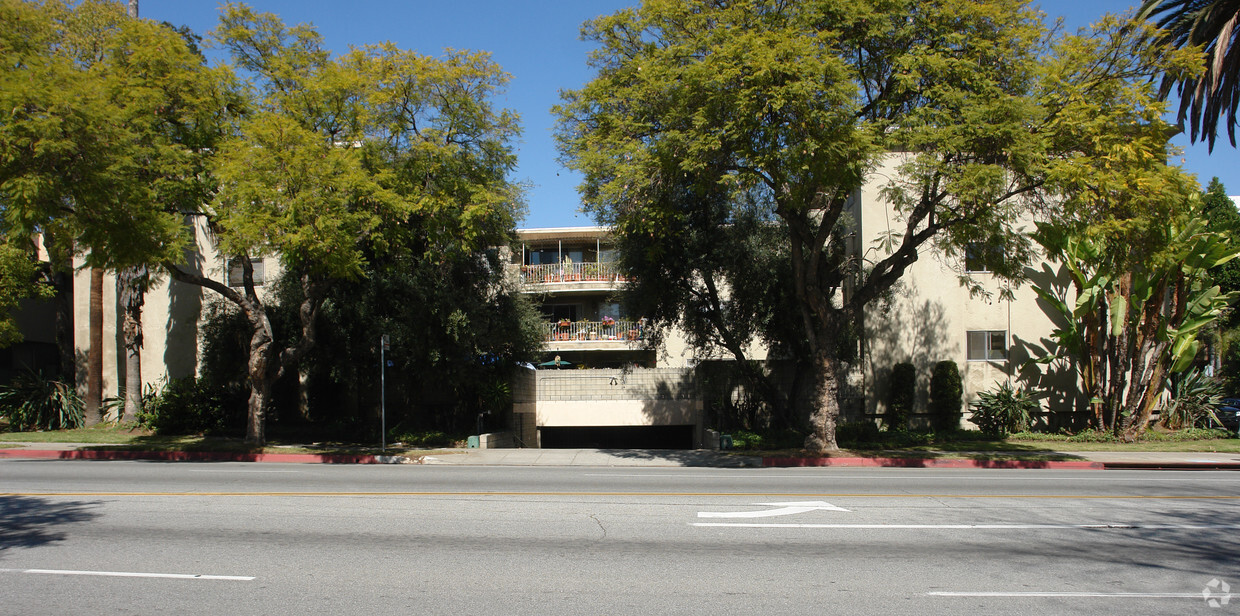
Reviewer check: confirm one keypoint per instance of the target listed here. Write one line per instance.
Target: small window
(236, 277)
(978, 258)
(987, 346)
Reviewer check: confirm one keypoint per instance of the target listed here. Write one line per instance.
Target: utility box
(472, 442)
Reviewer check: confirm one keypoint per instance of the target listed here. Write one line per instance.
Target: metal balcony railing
(585, 331)
(571, 272)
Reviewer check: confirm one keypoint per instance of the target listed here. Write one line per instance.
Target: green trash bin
(725, 441)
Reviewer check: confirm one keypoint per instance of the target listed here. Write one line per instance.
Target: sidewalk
(655, 458)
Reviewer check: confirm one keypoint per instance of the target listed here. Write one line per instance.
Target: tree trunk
(827, 410)
(261, 379)
(94, 353)
(131, 290)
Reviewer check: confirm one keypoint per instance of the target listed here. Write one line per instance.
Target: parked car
(1228, 412)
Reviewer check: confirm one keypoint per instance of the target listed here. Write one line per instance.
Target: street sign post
(384, 346)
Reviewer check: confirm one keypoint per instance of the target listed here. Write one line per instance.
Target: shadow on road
(27, 522)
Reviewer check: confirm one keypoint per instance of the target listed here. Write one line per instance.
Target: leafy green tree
(1222, 216)
(704, 113)
(19, 279)
(1137, 315)
(457, 331)
(1210, 95)
(108, 122)
(378, 150)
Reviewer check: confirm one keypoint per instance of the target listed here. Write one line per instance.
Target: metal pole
(383, 393)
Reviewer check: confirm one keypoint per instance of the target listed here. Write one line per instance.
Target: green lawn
(129, 437)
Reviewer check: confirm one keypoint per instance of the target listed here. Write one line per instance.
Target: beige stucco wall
(618, 413)
(170, 321)
(930, 313)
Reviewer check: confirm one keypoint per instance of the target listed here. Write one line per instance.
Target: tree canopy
(703, 114)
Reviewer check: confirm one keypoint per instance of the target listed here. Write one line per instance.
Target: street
(237, 538)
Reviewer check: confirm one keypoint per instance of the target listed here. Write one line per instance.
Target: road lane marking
(593, 493)
(783, 509)
(976, 526)
(1103, 595)
(221, 470)
(1229, 478)
(134, 574)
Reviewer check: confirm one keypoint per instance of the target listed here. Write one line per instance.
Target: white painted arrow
(784, 509)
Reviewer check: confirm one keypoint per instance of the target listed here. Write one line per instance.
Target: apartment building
(598, 382)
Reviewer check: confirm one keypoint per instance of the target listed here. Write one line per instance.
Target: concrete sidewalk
(656, 458)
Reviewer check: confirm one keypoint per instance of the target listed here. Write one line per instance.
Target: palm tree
(1214, 25)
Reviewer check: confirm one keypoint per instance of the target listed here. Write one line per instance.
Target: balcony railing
(571, 272)
(585, 331)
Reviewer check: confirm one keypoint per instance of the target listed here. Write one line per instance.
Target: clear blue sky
(538, 43)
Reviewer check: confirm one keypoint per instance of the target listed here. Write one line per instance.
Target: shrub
(1194, 397)
(424, 438)
(901, 396)
(1004, 411)
(946, 389)
(32, 402)
(190, 406)
(860, 432)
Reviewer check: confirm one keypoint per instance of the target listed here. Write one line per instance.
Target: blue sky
(538, 43)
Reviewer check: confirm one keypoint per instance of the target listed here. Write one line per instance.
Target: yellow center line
(736, 494)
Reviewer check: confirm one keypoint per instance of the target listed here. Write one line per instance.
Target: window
(987, 346)
(236, 278)
(978, 258)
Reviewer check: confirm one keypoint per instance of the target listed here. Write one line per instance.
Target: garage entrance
(617, 437)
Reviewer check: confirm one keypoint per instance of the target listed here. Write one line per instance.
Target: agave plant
(32, 402)
(1194, 396)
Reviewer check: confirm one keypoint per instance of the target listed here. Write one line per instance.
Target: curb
(1173, 466)
(206, 456)
(783, 462)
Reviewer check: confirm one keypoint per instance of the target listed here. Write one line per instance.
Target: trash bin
(725, 441)
(472, 442)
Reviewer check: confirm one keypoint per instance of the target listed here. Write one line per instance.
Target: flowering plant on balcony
(565, 323)
(608, 321)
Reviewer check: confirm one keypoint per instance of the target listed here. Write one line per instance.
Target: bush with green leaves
(853, 433)
(1003, 411)
(946, 391)
(901, 396)
(191, 406)
(1194, 398)
(32, 402)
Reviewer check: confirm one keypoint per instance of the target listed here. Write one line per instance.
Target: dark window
(981, 258)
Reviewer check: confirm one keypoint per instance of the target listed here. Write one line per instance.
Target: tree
(1137, 313)
(335, 158)
(108, 122)
(457, 329)
(1210, 95)
(786, 110)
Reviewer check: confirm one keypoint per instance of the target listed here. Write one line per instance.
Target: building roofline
(556, 233)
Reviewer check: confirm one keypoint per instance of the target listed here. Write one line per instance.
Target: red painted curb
(934, 463)
(186, 456)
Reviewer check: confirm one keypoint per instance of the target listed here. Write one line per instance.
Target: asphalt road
(225, 538)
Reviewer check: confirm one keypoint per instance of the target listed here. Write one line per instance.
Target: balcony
(572, 276)
(593, 335)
